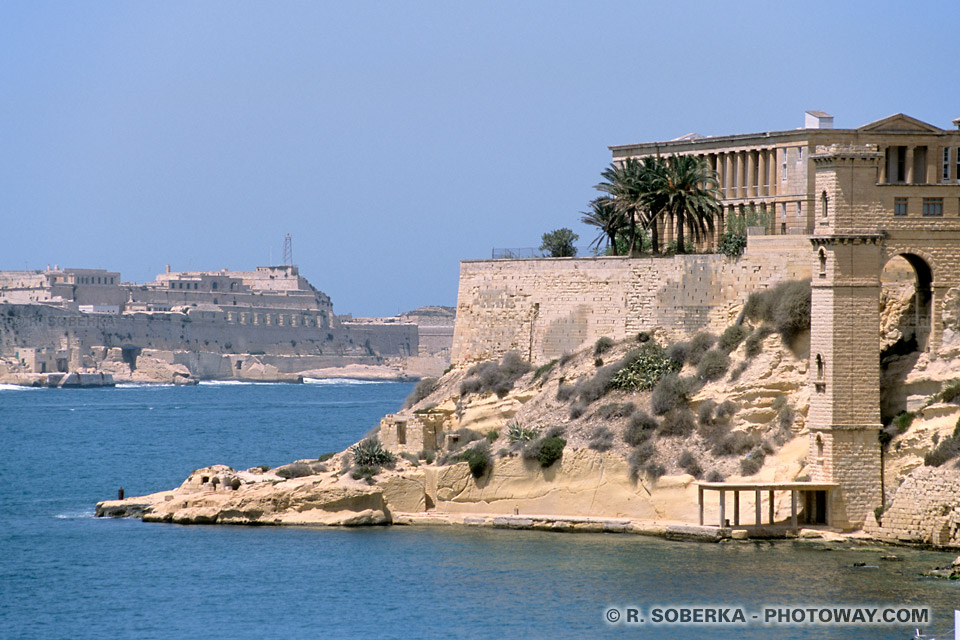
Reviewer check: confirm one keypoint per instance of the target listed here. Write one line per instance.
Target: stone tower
(845, 340)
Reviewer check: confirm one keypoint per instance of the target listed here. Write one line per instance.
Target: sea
(66, 574)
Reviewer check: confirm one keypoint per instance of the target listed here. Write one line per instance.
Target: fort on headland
(267, 324)
(841, 206)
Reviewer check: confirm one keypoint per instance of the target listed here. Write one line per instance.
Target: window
(171, 285)
(899, 206)
(822, 256)
(799, 154)
(945, 176)
(214, 285)
(783, 228)
(823, 203)
(783, 167)
(783, 210)
(799, 211)
(933, 206)
(956, 159)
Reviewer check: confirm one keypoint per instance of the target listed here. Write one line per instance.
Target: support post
(758, 519)
(736, 507)
(793, 509)
(771, 505)
(700, 503)
(723, 508)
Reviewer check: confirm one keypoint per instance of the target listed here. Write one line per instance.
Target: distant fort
(209, 323)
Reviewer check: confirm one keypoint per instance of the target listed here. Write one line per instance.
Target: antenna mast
(288, 250)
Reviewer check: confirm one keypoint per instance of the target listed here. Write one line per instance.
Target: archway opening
(905, 322)
(905, 300)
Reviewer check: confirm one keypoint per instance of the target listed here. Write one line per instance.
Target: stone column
(909, 163)
(741, 182)
(774, 171)
(763, 185)
(751, 181)
(883, 166)
(728, 175)
(934, 162)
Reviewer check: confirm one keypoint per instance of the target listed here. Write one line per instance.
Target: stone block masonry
(545, 308)
(926, 510)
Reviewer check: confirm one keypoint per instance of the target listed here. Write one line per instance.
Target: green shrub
(364, 472)
(596, 387)
(492, 435)
(671, 392)
(713, 365)
(602, 345)
(412, 458)
(731, 338)
(705, 412)
(786, 306)
(478, 458)
(565, 358)
(725, 411)
(698, 346)
(678, 422)
(326, 456)
(426, 456)
(689, 463)
(948, 449)
(544, 369)
(493, 377)
(598, 362)
(294, 470)
(601, 439)
(733, 444)
(546, 450)
(517, 432)
(950, 392)
(715, 476)
(732, 244)
(754, 344)
(425, 387)
(654, 470)
(615, 410)
(752, 463)
(639, 429)
(263, 467)
(577, 409)
(898, 425)
(565, 391)
(785, 413)
(639, 458)
(370, 452)
(643, 336)
(642, 368)
(677, 354)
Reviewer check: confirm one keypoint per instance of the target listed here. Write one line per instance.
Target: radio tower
(288, 250)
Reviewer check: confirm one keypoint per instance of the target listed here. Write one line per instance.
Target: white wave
(232, 383)
(16, 387)
(140, 385)
(74, 516)
(334, 381)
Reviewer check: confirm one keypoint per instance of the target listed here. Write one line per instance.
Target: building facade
(775, 173)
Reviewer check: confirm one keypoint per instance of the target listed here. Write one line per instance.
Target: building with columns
(774, 171)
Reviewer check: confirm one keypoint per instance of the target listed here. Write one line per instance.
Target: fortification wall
(545, 308)
(925, 510)
(23, 326)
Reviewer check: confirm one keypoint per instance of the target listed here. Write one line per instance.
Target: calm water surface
(65, 574)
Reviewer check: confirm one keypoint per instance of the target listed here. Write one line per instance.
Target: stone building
(775, 171)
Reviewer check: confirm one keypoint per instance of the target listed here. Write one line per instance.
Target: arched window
(819, 367)
(819, 446)
(822, 257)
(823, 203)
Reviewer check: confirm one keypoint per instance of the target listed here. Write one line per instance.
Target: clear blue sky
(393, 139)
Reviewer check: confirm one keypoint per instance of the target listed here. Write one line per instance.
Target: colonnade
(746, 173)
(919, 164)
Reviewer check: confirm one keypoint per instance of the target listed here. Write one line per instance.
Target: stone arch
(916, 324)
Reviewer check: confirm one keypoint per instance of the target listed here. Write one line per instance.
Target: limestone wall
(925, 510)
(545, 308)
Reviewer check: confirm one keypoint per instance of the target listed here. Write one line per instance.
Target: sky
(394, 139)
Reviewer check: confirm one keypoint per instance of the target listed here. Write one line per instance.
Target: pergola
(794, 488)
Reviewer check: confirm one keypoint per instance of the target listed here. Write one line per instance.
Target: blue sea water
(65, 574)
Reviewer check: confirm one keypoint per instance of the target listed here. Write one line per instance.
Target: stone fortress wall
(70, 319)
(547, 307)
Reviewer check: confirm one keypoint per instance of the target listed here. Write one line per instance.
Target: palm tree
(623, 183)
(687, 190)
(608, 218)
(652, 173)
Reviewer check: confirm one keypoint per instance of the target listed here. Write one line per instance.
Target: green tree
(605, 216)
(686, 191)
(559, 243)
(632, 184)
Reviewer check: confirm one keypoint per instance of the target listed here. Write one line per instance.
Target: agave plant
(371, 452)
(517, 432)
